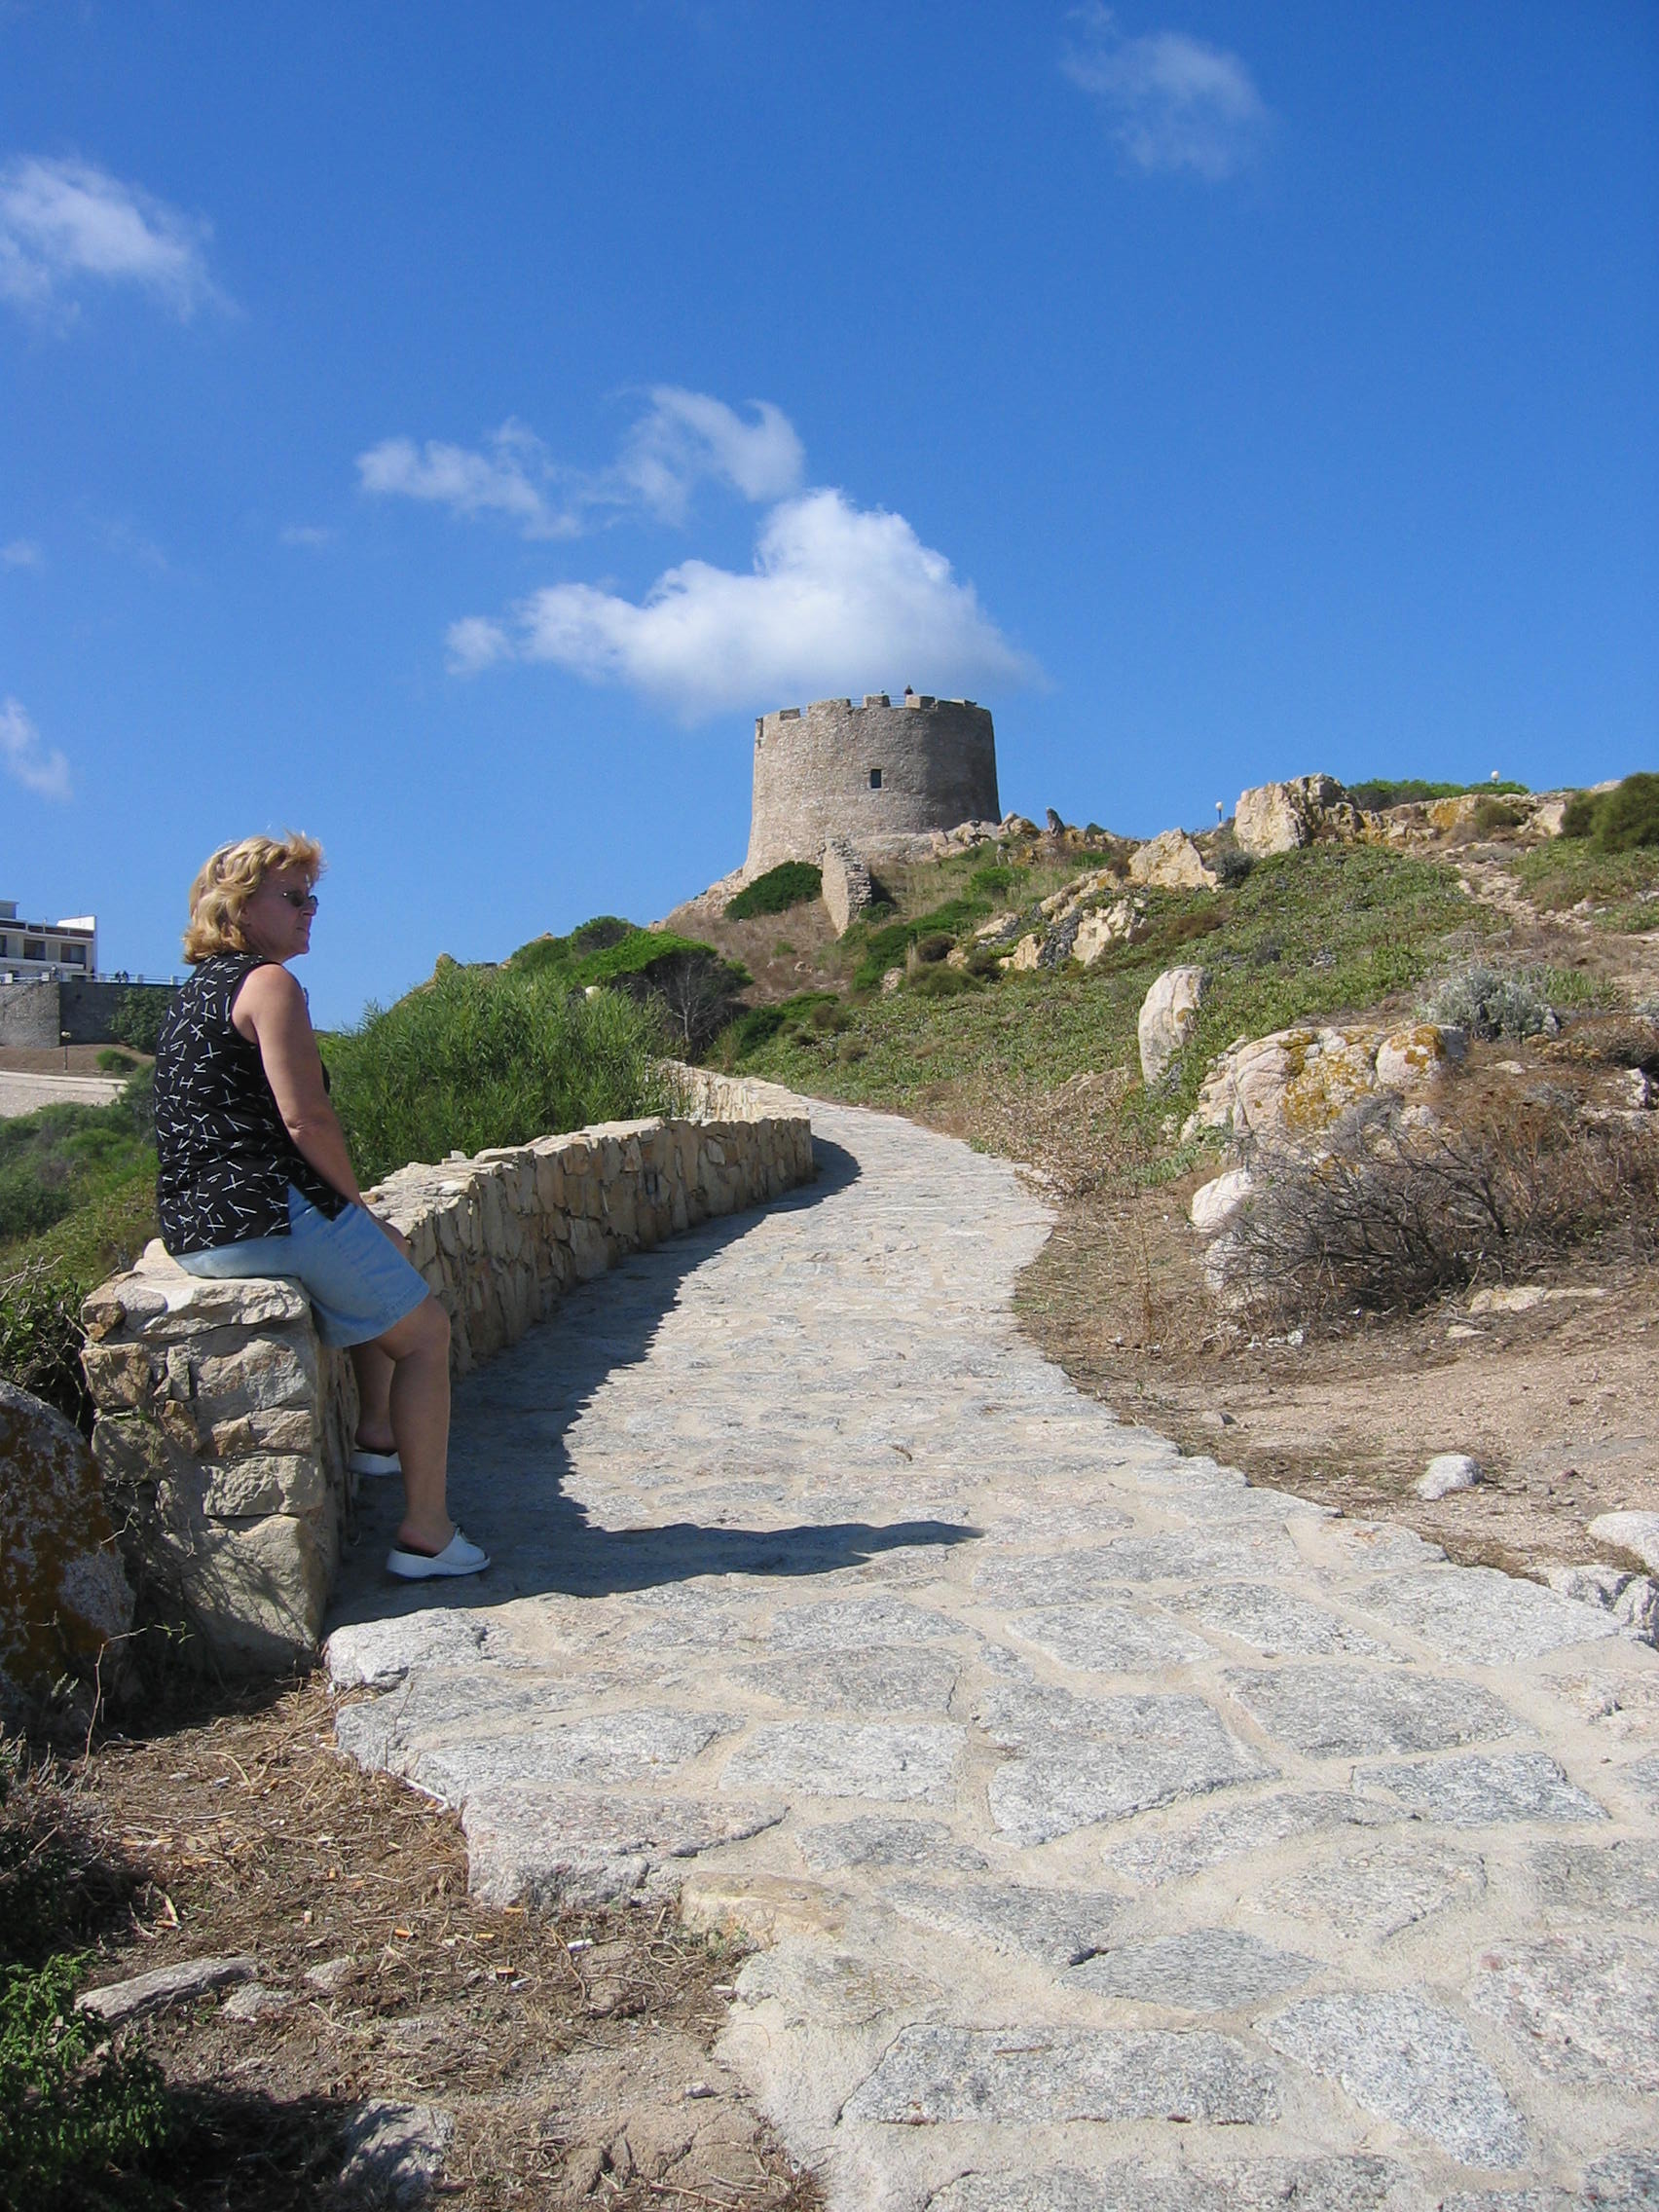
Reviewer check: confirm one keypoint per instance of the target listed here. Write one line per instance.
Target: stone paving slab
(1120, 1837)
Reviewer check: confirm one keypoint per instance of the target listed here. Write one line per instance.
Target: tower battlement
(867, 773)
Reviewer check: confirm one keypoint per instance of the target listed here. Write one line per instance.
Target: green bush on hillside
(41, 1339)
(1378, 792)
(135, 1018)
(1620, 820)
(791, 883)
(77, 1184)
(481, 1056)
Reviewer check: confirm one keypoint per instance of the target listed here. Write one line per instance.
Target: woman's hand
(269, 1010)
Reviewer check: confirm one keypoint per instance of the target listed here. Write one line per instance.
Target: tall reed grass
(488, 1058)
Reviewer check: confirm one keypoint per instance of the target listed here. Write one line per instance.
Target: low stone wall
(224, 1426)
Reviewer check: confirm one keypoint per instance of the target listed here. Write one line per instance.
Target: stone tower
(868, 774)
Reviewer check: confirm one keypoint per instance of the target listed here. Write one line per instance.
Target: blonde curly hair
(228, 878)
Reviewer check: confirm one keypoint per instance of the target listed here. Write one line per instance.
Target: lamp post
(63, 1040)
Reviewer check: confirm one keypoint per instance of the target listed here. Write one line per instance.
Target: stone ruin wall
(227, 1426)
(812, 775)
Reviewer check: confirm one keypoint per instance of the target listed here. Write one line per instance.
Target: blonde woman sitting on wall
(255, 1178)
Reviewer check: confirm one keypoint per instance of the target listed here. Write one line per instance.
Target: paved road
(21, 1093)
(1119, 1836)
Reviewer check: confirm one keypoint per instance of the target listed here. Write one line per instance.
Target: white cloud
(475, 643)
(22, 553)
(312, 536)
(688, 436)
(66, 223)
(510, 479)
(38, 767)
(683, 439)
(841, 598)
(1171, 102)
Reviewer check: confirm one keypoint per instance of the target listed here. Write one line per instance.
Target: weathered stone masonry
(228, 1425)
(868, 774)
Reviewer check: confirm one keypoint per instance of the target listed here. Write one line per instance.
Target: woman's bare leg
(418, 1353)
(375, 1369)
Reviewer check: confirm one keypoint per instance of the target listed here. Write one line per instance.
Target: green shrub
(31, 1199)
(1627, 816)
(939, 982)
(480, 1057)
(41, 1339)
(72, 2115)
(135, 1018)
(992, 881)
(1378, 792)
(1494, 814)
(1491, 1001)
(113, 1062)
(791, 883)
(933, 948)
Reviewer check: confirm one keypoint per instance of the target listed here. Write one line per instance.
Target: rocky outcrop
(1120, 923)
(1171, 862)
(1168, 1015)
(227, 1425)
(64, 1594)
(1297, 1081)
(1308, 810)
(847, 887)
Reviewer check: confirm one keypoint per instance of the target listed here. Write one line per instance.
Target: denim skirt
(358, 1282)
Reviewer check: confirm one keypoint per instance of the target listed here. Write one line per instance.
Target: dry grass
(246, 1831)
(1390, 1213)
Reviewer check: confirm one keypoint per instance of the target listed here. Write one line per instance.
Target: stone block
(1346, 1712)
(1400, 2057)
(1044, 2076)
(1203, 1969)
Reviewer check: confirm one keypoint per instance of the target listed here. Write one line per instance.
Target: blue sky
(444, 430)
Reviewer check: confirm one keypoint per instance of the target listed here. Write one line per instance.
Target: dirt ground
(1557, 1403)
(47, 1060)
(574, 2051)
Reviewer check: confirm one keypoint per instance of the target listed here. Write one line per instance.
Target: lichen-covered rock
(1120, 923)
(1173, 863)
(1418, 1054)
(1295, 1083)
(1308, 810)
(64, 1594)
(1169, 1015)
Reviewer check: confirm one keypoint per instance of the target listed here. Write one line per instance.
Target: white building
(54, 950)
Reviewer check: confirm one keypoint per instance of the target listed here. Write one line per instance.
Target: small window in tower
(875, 779)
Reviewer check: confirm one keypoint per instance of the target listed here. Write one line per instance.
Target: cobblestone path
(1118, 1836)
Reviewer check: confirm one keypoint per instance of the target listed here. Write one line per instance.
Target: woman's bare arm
(270, 1012)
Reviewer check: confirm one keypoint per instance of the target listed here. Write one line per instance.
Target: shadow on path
(509, 1459)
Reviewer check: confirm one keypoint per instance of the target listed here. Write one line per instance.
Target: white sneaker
(457, 1556)
(375, 1462)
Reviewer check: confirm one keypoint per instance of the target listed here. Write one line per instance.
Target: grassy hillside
(1328, 931)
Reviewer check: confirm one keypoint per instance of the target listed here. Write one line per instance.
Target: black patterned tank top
(225, 1158)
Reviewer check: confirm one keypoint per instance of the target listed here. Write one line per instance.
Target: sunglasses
(302, 901)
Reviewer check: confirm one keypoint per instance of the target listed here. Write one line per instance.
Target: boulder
(1418, 1054)
(1448, 1472)
(1636, 1532)
(1214, 1204)
(1293, 1082)
(847, 887)
(1027, 953)
(1173, 863)
(63, 1593)
(1278, 818)
(1169, 1015)
(1120, 923)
